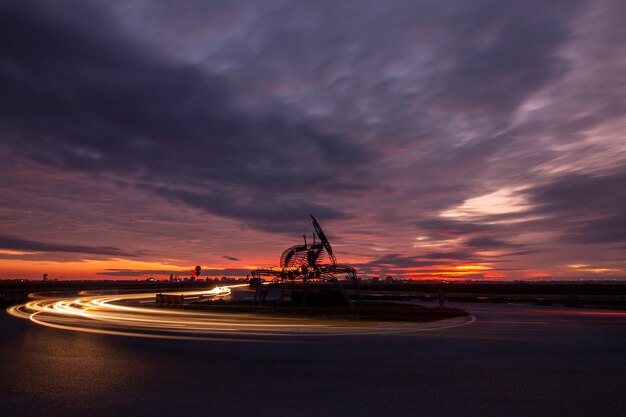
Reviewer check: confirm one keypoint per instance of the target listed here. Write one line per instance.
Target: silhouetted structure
(305, 263)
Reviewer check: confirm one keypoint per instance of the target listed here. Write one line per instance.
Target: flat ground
(513, 361)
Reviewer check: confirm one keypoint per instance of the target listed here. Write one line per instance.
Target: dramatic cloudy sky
(457, 139)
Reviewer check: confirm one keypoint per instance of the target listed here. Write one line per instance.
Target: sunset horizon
(481, 142)
(313, 208)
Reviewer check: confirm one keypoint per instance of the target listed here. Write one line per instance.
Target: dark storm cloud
(487, 242)
(269, 212)
(609, 229)
(395, 260)
(519, 253)
(514, 55)
(452, 228)
(382, 114)
(458, 255)
(17, 244)
(90, 99)
(578, 208)
(482, 54)
(586, 208)
(581, 193)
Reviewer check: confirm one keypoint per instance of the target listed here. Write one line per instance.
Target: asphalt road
(513, 361)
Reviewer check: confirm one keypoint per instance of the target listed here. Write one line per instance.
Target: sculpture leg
(257, 293)
(357, 287)
(303, 292)
(343, 292)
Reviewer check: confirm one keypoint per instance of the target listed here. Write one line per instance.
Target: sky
(476, 139)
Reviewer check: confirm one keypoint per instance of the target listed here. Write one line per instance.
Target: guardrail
(169, 300)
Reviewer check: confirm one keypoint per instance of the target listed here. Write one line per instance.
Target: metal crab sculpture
(305, 263)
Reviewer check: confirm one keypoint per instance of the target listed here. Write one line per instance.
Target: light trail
(128, 315)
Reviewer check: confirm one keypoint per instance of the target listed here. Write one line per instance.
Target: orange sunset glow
(456, 153)
(353, 208)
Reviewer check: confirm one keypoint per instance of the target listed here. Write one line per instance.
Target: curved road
(512, 361)
(135, 315)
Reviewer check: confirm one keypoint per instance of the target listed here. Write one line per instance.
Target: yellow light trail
(127, 315)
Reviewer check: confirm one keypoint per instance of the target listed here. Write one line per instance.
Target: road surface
(512, 361)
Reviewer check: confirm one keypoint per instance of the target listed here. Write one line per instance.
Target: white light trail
(128, 315)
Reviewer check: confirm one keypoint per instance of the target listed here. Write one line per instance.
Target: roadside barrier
(170, 301)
